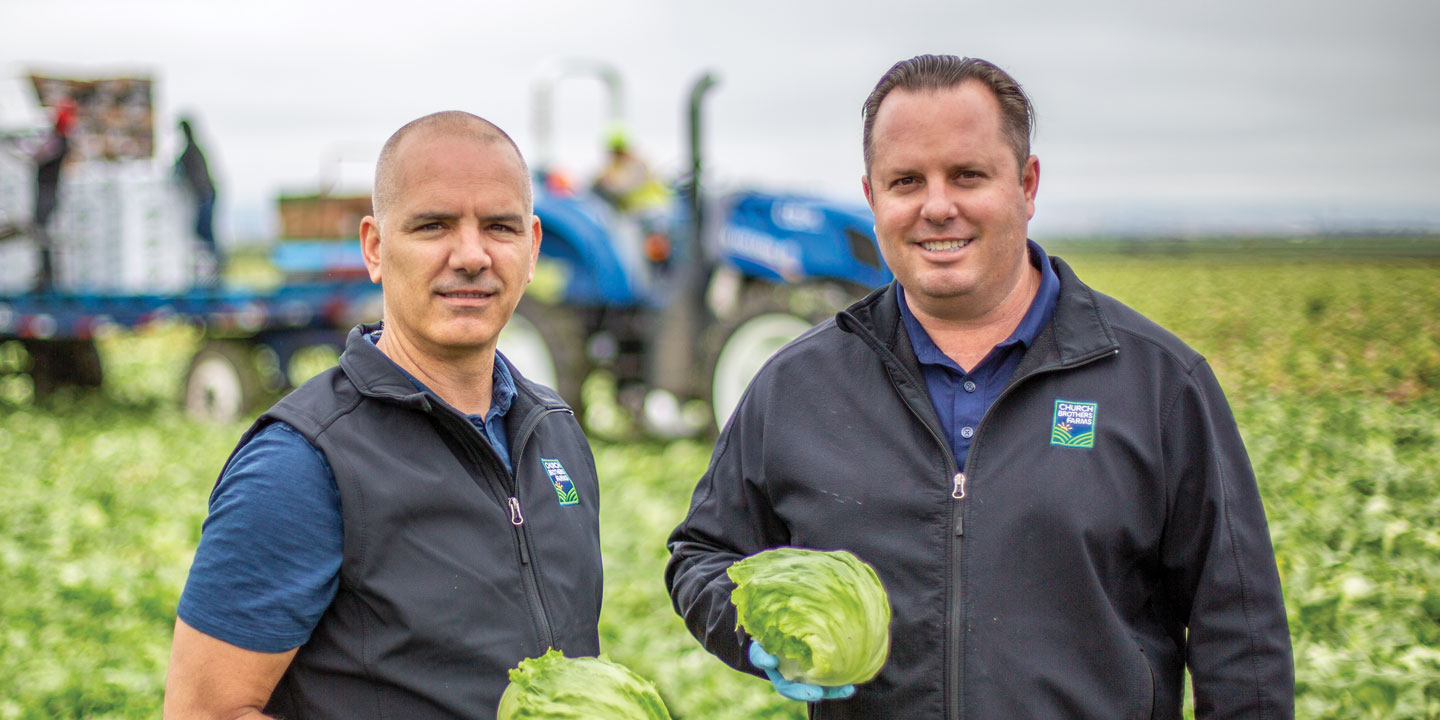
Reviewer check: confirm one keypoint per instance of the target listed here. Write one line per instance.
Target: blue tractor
(687, 306)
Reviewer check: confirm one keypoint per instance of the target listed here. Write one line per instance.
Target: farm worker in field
(396, 534)
(1051, 487)
(628, 184)
(49, 159)
(626, 181)
(195, 172)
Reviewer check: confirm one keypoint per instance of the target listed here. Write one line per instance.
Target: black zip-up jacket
(1041, 580)
(454, 569)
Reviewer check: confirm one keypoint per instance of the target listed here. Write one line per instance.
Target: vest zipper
(517, 520)
(529, 580)
(529, 575)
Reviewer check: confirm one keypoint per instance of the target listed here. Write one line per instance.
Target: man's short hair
(941, 72)
(456, 122)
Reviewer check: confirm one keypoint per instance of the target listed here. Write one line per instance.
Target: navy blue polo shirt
(269, 596)
(492, 423)
(961, 398)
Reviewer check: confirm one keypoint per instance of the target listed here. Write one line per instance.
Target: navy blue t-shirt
(268, 564)
(960, 397)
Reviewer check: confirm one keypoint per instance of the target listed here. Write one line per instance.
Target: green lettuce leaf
(554, 687)
(825, 615)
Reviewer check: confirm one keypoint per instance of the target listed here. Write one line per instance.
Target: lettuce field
(1328, 351)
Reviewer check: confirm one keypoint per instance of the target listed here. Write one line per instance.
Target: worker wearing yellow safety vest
(626, 182)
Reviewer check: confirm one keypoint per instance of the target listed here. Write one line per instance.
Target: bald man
(397, 533)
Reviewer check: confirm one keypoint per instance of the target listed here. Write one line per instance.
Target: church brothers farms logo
(564, 489)
(1074, 424)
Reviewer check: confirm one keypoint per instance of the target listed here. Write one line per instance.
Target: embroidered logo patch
(564, 489)
(1074, 424)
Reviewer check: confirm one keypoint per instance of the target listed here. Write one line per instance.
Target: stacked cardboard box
(19, 265)
(123, 224)
(19, 259)
(115, 120)
(17, 187)
(322, 217)
(123, 228)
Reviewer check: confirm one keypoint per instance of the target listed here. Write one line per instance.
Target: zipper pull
(517, 520)
(959, 492)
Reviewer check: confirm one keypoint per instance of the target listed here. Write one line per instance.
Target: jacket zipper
(959, 477)
(957, 614)
(955, 620)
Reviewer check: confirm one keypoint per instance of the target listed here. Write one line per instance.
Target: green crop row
(1333, 369)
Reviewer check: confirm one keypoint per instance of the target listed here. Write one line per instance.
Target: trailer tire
(769, 316)
(547, 344)
(86, 370)
(223, 383)
(63, 363)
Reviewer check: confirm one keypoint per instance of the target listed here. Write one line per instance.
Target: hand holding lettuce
(554, 687)
(804, 692)
(824, 615)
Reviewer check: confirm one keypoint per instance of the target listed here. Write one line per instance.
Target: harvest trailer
(122, 254)
(250, 336)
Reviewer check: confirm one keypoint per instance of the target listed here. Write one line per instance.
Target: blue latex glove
(795, 691)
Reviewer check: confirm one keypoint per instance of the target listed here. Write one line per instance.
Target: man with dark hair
(1051, 487)
(396, 534)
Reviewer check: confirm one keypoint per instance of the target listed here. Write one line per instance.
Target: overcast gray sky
(1294, 114)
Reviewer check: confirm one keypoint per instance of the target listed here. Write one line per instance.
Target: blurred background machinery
(679, 293)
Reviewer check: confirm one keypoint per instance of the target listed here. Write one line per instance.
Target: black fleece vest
(454, 570)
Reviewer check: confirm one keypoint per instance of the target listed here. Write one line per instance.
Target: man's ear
(370, 246)
(1030, 182)
(534, 247)
(865, 185)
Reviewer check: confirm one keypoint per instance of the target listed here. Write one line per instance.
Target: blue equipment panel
(795, 238)
(221, 312)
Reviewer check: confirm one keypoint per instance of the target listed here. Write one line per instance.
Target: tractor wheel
(223, 383)
(547, 344)
(768, 317)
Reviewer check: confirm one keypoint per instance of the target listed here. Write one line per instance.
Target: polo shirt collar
(502, 383)
(1041, 309)
(502, 387)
